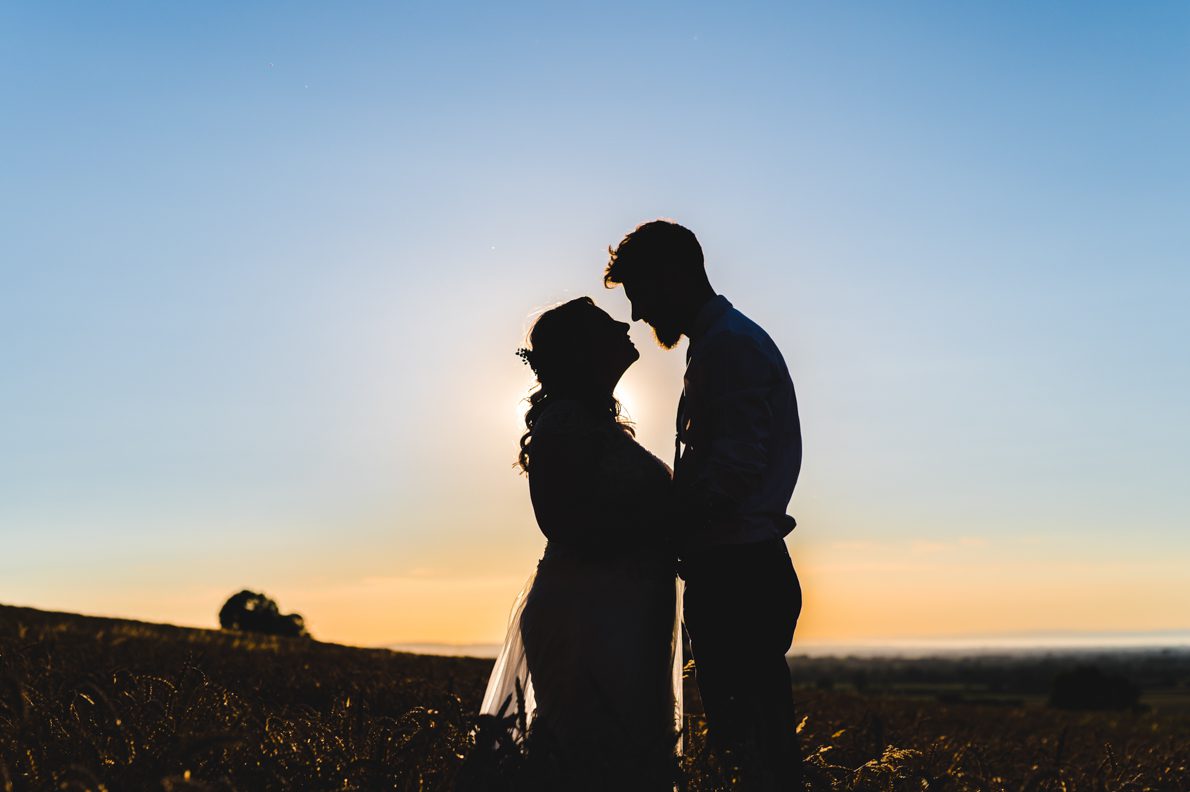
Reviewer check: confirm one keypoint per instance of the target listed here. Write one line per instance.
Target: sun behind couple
(595, 635)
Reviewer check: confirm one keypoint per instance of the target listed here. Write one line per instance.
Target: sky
(263, 268)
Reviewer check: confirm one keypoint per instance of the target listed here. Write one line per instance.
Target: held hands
(698, 507)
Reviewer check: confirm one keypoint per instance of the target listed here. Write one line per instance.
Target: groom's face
(651, 305)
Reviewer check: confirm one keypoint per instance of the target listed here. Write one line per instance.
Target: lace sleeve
(591, 483)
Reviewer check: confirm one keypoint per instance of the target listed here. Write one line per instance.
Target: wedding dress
(594, 636)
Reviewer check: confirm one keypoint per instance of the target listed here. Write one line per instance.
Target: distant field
(103, 704)
(1024, 677)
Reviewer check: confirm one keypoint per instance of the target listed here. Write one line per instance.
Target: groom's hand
(701, 506)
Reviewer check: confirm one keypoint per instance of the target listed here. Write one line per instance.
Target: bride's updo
(560, 355)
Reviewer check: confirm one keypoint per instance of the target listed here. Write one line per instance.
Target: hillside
(89, 704)
(132, 705)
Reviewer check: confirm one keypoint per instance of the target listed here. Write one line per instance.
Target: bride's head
(577, 352)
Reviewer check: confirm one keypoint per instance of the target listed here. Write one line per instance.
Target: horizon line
(1031, 641)
(1021, 640)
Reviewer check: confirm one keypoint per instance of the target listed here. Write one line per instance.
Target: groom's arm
(737, 416)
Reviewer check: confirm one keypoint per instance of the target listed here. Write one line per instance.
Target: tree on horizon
(250, 611)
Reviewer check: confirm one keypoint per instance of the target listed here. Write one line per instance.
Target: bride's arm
(587, 485)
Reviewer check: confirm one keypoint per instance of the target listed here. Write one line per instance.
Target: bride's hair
(558, 358)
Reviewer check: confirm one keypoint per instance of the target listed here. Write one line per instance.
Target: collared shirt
(739, 440)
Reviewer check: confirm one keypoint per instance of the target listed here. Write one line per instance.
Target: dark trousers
(741, 606)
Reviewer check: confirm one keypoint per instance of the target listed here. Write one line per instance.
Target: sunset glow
(265, 271)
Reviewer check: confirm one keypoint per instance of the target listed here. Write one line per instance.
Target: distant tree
(252, 612)
(1088, 688)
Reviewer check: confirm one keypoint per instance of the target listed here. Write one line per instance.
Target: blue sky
(264, 268)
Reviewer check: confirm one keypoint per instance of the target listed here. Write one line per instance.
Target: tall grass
(96, 704)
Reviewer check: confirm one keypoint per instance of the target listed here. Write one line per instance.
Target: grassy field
(104, 704)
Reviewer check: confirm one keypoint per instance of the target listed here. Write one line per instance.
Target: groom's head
(660, 266)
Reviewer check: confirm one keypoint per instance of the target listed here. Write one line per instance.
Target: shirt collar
(707, 315)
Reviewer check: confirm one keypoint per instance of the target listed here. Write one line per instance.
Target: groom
(737, 457)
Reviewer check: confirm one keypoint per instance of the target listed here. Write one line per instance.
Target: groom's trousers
(741, 606)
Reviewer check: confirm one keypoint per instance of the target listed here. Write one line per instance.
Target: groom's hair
(660, 248)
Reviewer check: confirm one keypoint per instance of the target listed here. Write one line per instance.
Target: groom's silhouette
(737, 457)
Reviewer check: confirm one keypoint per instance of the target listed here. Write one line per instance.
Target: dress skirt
(595, 644)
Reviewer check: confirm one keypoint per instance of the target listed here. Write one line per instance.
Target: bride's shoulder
(564, 416)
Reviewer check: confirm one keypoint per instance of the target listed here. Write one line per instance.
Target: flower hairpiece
(526, 356)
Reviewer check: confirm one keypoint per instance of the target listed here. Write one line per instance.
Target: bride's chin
(629, 359)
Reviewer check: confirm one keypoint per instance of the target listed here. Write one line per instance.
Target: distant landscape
(1020, 674)
(90, 703)
(1028, 643)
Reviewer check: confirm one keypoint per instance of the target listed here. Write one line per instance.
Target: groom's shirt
(739, 442)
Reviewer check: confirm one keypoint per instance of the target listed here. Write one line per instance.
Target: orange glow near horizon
(853, 594)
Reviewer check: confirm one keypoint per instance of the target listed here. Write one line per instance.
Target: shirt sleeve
(737, 416)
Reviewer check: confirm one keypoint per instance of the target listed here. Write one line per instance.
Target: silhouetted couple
(595, 636)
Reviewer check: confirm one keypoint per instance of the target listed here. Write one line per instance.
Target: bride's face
(612, 351)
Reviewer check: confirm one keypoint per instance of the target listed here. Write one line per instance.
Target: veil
(512, 668)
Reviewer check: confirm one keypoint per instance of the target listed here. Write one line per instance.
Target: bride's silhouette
(593, 638)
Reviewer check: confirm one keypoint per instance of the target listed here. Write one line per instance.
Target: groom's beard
(667, 337)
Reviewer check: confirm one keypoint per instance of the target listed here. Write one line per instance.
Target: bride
(593, 638)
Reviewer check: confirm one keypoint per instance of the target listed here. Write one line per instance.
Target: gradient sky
(264, 267)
